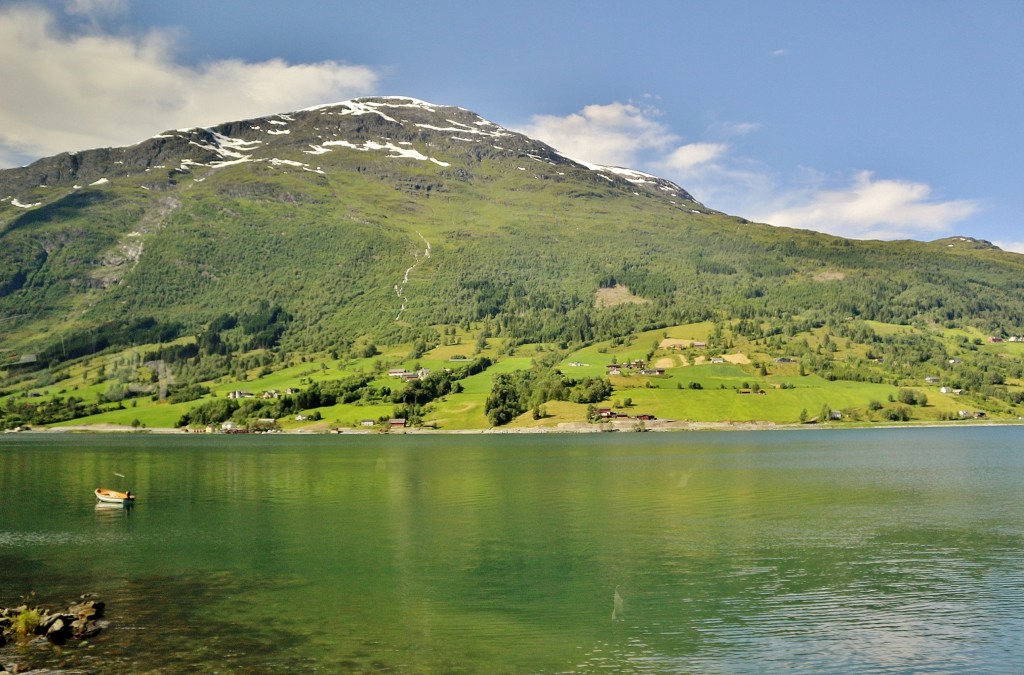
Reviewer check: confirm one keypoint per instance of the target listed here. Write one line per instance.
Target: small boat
(114, 497)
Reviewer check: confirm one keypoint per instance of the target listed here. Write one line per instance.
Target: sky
(894, 119)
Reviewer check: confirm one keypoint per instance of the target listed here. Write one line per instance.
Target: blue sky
(896, 119)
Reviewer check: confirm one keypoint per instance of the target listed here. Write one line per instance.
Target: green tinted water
(861, 551)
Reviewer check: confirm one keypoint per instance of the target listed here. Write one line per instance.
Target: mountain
(387, 220)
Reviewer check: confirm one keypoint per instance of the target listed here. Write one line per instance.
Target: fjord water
(844, 551)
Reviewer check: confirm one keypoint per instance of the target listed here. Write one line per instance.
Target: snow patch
(317, 150)
(15, 202)
(397, 152)
(463, 129)
(101, 181)
(368, 107)
(351, 108)
(278, 123)
(242, 160)
(274, 132)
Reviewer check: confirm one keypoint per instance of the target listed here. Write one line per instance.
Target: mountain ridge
(520, 233)
(386, 232)
(230, 142)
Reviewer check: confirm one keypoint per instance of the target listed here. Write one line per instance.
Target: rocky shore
(28, 625)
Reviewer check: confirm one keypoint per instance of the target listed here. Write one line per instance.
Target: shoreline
(658, 426)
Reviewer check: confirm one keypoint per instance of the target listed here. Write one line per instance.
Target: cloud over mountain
(871, 208)
(860, 206)
(127, 88)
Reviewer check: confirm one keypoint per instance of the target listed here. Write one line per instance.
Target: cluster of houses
(639, 366)
(1013, 338)
(696, 344)
(944, 389)
(407, 376)
(268, 394)
(393, 423)
(609, 414)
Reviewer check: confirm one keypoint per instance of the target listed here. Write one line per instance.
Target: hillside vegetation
(318, 249)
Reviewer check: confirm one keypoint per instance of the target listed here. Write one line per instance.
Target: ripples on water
(805, 552)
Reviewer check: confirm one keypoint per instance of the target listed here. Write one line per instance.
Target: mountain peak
(394, 127)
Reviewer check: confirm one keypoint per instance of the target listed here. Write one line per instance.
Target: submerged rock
(79, 621)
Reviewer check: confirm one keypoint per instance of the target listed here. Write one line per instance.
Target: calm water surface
(882, 551)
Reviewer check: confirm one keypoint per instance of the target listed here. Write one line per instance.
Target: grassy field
(748, 386)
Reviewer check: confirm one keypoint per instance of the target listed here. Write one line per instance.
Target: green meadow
(698, 376)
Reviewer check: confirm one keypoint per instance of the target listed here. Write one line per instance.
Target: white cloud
(870, 208)
(861, 206)
(65, 91)
(733, 129)
(1014, 246)
(93, 8)
(687, 158)
(615, 134)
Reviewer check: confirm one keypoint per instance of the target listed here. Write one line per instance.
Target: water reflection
(724, 552)
(618, 606)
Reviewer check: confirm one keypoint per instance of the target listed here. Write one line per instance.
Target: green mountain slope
(323, 211)
(381, 221)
